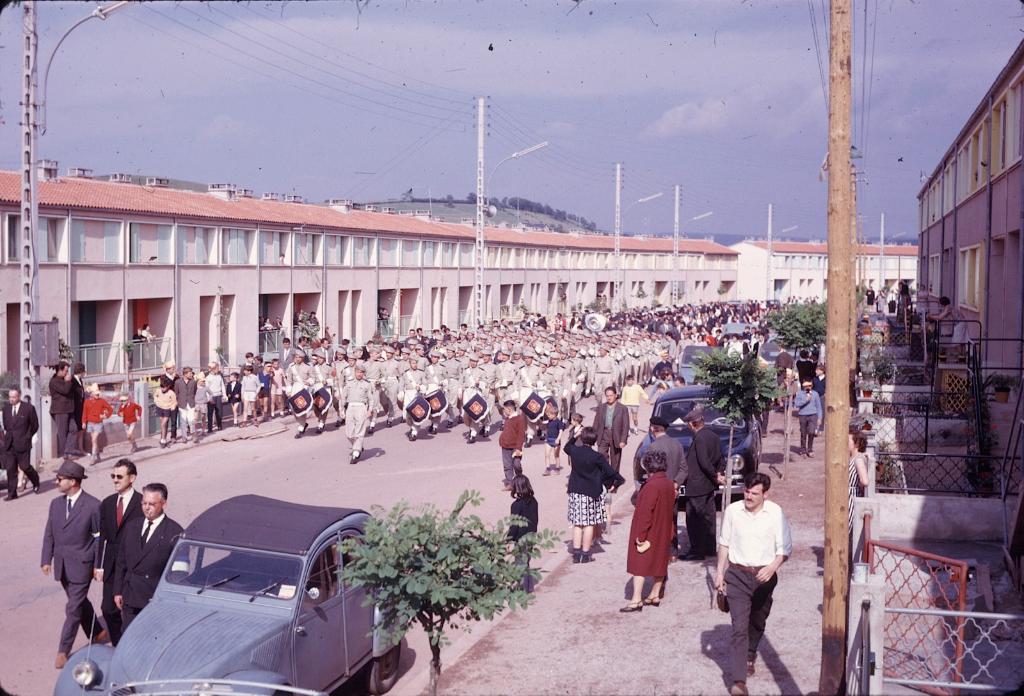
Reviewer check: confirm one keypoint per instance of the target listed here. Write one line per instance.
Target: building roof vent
(48, 169)
(388, 209)
(294, 198)
(269, 196)
(157, 182)
(80, 172)
(342, 205)
(244, 193)
(121, 178)
(223, 191)
(370, 208)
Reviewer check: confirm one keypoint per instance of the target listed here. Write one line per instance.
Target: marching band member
(477, 381)
(411, 384)
(297, 377)
(321, 375)
(357, 396)
(436, 377)
(374, 371)
(337, 379)
(455, 364)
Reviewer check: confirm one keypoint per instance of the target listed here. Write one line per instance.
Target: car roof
(689, 392)
(254, 521)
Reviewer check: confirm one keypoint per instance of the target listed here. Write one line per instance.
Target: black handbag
(722, 601)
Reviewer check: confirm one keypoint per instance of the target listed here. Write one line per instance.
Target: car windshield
(242, 571)
(691, 352)
(675, 411)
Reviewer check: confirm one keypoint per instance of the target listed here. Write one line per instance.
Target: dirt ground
(573, 640)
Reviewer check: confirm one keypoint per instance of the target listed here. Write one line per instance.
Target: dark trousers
(65, 427)
(610, 449)
(111, 614)
(128, 615)
(172, 424)
(13, 461)
(700, 524)
(213, 412)
(749, 605)
(511, 465)
(808, 427)
(77, 612)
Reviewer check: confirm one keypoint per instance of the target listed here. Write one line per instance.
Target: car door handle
(300, 630)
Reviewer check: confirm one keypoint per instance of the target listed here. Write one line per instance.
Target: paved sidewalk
(574, 640)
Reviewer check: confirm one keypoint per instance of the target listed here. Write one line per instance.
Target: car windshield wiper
(218, 583)
(265, 590)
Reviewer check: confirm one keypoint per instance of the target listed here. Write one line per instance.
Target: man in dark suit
(704, 465)
(20, 424)
(611, 425)
(62, 409)
(116, 513)
(146, 545)
(69, 552)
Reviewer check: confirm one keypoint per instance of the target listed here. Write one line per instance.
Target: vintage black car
(252, 601)
(673, 406)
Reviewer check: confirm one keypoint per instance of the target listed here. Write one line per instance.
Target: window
(388, 252)
(971, 277)
(466, 255)
(491, 256)
(273, 248)
(505, 260)
(337, 250)
(429, 254)
(95, 241)
(1012, 129)
(410, 253)
(195, 245)
(149, 243)
(237, 246)
(13, 234)
(364, 251)
(323, 577)
(305, 249)
(449, 254)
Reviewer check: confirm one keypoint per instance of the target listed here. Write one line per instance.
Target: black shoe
(629, 608)
(302, 431)
(369, 431)
(337, 424)
(577, 557)
(692, 557)
(37, 489)
(586, 558)
(13, 496)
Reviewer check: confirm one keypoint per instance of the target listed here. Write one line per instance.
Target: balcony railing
(270, 341)
(148, 355)
(404, 324)
(100, 358)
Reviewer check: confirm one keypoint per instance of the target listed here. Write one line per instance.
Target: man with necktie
(143, 552)
(20, 424)
(116, 511)
(69, 552)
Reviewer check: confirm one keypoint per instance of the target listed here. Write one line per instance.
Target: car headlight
(737, 463)
(85, 673)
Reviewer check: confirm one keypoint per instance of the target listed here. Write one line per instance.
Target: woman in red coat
(651, 532)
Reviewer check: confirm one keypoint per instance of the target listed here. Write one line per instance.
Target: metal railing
(100, 358)
(941, 649)
(405, 322)
(918, 418)
(386, 328)
(270, 341)
(971, 475)
(464, 316)
(149, 355)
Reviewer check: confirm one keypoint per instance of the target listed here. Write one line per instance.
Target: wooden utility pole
(837, 402)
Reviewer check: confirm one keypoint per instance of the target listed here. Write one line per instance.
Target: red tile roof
(819, 248)
(122, 198)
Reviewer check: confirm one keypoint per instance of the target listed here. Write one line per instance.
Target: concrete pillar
(869, 595)
(862, 507)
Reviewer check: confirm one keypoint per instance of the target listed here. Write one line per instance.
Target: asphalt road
(313, 470)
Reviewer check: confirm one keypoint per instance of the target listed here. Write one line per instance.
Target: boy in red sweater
(94, 411)
(130, 413)
(511, 441)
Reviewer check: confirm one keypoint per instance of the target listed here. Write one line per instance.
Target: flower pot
(867, 393)
(866, 426)
(1002, 396)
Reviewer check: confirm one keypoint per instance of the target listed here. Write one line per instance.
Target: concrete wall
(921, 517)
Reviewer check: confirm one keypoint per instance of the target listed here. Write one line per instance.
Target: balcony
(109, 358)
(270, 342)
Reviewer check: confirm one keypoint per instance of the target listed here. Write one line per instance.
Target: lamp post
(29, 306)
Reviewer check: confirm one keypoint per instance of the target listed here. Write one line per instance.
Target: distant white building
(799, 270)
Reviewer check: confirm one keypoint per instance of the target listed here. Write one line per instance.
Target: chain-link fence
(953, 474)
(936, 649)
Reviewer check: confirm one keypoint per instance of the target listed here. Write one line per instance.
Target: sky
(368, 100)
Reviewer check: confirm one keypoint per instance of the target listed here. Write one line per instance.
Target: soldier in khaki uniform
(357, 397)
(477, 380)
(412, 383)
(604, 371)
(298, 376)
(374, 372)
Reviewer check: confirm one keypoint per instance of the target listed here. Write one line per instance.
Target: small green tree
(307, 327)
(741, 387)
(441, 570)
(800, 325)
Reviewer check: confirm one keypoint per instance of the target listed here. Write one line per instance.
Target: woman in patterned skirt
(590, 476)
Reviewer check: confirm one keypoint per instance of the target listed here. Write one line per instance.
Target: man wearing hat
(321, 376)
(297, 377)
(704, 466)
(412, 383)
(436, 379)
(808, 409)
(20, 424)
(69, 553)
(357, 398)
(374, 375)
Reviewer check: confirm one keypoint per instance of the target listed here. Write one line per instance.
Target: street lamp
(483, 185)
(702, 216)
(790, 229)
(101, 12)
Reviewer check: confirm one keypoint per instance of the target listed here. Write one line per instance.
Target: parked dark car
(251, 601)
(687, 358)
(676, 403)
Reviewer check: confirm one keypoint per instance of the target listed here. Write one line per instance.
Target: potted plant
(867, 388)
(1001, 384)
(884, 368)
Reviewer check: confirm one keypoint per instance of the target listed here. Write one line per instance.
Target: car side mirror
(313, 593)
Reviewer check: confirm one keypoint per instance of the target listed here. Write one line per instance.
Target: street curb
(418, 684)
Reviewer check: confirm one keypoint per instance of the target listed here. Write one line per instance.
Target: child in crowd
(129, 412)
(250, 390)
(553, 430)
(266, 376)
(524, 505)
(632, 393)
(202, 400)
(233, 391)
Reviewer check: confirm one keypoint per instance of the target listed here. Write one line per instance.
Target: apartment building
(971, 209)
(202, 268)
(799, 270)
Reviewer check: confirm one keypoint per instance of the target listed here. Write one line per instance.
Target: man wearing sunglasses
(116, 511)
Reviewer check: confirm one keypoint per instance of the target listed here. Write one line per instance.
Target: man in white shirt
(215, 392)
(754, 542)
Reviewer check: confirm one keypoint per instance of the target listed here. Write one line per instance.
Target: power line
(817, 53)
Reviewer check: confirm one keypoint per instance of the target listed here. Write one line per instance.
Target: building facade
(206, 270)
(799, 270)
(970, 212)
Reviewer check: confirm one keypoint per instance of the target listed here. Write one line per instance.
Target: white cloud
(691, 118)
